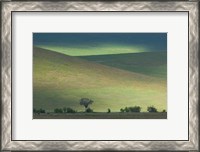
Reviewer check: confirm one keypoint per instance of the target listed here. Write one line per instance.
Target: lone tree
(86, 102)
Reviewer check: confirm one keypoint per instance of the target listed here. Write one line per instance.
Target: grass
(61, 81)
(93, 50)
(116, 115)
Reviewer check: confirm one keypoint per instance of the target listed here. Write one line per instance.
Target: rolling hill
(152, 63)
(61, 81)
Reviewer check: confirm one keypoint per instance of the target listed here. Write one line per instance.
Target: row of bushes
(64, 110)
(61, 110)
(38, 111)
(89, 110)
(138, 109)
(131, 109)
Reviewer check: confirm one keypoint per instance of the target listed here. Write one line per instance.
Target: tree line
(86, 102)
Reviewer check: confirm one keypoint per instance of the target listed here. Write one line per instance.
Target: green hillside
(148, 63)
(60, 81)
(94, 49)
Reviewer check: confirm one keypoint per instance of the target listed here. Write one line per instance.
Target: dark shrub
(122, 110)
(41, 110)
(108, 110)
(134, 109)
(131, 109)
(35, 111)
(164, 111)
(70, 110)
(89, 110)
(126, 109)
(57, 110)
(152, 109)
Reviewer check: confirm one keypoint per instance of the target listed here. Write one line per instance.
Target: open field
(102, 116)
(61, 81)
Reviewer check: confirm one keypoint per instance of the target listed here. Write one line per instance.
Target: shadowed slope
(148, 63)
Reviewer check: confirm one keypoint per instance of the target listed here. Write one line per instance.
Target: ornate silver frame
(7, 7)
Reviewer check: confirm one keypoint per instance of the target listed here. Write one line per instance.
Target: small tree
(152, 109)
(86, 102)
(109, 110)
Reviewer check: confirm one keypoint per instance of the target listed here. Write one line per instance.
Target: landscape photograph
(99, 75)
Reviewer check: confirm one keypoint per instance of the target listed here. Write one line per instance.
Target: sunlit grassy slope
(94, 50)
(60, 81)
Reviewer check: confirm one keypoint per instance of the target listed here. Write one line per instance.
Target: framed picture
(80, 75)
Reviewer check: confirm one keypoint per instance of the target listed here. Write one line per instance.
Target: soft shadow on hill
(148, 63)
